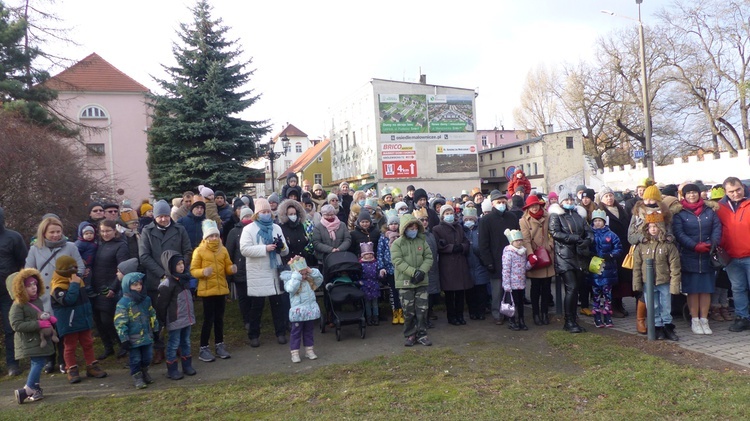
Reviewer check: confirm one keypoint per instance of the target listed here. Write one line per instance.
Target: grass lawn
(588, 376)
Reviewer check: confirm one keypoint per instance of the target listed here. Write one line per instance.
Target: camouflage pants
(415, 302)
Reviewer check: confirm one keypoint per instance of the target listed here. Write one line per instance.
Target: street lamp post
(648, 155)
(273, 156)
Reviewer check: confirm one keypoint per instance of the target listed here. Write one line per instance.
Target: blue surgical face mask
(265, 217)
(361, 203)
(293, 218)
(569, 206)
(500, 207)
(412, 233)
(469, 224)
(449, 218)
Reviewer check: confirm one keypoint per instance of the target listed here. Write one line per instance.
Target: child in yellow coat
(210, 266)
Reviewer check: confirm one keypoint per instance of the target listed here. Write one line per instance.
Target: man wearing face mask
(492, 241)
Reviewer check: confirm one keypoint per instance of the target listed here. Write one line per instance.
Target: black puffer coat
(572, 235)
(109, 254)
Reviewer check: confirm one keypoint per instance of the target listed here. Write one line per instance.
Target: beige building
(552, 162)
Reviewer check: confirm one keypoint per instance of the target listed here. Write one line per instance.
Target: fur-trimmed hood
(640, 210)
(558, 210)
(19, 293)
(673, 204)
(283, 206)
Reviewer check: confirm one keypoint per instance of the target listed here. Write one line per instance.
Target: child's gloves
(702, 248)
(43, 324)
(533, 259)
(279, 242)
(208, 271)
(418, 277)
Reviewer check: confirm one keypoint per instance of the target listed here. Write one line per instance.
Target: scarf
(538, 214)
(614, 210)
(265, 236)
(58, 281)
(246, 223)
(183, 279)
(55, 244)
(136, 296)
(521, 250)
(696, 207)
(392, 236)
(331, 226)
(212, 245)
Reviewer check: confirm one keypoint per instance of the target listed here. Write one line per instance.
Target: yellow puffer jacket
(216, 283)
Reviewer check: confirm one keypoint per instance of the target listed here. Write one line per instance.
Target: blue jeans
(35, 372)
(178, 339)
(662, 305)
(10, 355)
(739, 276)
(140, 357)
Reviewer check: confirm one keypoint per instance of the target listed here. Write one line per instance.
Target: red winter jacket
(515, 182)
(735, 235)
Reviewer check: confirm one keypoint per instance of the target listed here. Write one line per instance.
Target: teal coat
(135, 318)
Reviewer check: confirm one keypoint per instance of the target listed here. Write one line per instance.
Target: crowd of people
(135, 274)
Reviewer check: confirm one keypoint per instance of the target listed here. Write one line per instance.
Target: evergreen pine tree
(21, 85)
(196, 137)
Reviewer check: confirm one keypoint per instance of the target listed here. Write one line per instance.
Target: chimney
(549, 128)
(423, 79)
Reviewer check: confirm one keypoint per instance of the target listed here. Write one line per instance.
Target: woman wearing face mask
(572, 235)
(477, 296)
(453, 247)
(293, 224)
(329, 236)
(535, 231)
(263, 245)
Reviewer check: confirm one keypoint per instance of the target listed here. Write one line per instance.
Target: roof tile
(94, 74)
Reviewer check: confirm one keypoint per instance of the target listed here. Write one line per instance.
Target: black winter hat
(671, 190)
(218, 193)
(690, 187)
(590, 193)
(237, 204)
(364, 215)
(418, 194)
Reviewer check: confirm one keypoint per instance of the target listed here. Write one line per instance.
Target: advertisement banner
(456, 158)
(399, 160)
(426, 117)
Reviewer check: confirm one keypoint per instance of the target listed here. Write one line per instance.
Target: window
(520, 150)
(503, 170)
(95, 149)
(569, 142)
(287, 164)
(298, 147)
(528, 168)
(535, 169)
(502, 154)
(527, 149)
(354, 139)
(484, 140)
(93, 112)
(481, 158)
(318, 179)
(490, 157)
(493, 173)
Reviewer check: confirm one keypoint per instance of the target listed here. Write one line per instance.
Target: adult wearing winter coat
(492, 242)
(618, 219)
(364, 232)
(222, 207)
(112, 251)
(157, 237)
(535, 230)
(477, 295)
(235, 253)
(453, 247)
(192, 222)
(345, 201)
(330, 235)
(293, 220)
(263, 245)
(697, 229)
(13, 253)
(572, 235)
(184, 208)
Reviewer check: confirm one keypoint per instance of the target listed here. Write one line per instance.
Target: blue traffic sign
(509, 172)
(639, 154)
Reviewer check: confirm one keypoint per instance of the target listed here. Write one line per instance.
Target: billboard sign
(412, 117)
(456, 158)
(399, 160)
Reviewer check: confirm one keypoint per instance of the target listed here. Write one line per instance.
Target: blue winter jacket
(607, 245)
(477, 271)
(689, 230)
(135, 318)
(192, 225)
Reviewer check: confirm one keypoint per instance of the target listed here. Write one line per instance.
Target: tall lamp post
(273, 156)
(648, 156)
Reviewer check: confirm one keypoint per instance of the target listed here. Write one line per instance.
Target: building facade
(400, 133)
(299, 143)
(314, 165)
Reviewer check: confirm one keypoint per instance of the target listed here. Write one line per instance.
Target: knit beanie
(653, 193)
(486, 205)
(670, 190)
(444, 209)
(205, 191)
(162, 208)
(331, 196)
(392, 216)
(317, 187)
(273, 198)
(553, 195)
(245, 212)
(128, 266)
(690, 187)
(145, 208)
(220, 193)
(580, 187)
(590, 193)
(66, 266)
(364, 215)
(261, 205)
(604, 190)
(237, 204)
(400, 205)
(418, 194)
(209, 227)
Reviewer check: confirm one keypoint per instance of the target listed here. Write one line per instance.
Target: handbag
(507, 309)
(719, 257)
(627, 263)
(542, 255)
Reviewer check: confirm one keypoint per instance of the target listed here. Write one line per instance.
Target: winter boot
(545, 318)
(695, 326)
(522, 324)
(726, 314)
(146, 377)
(172, 371)
(706, 329)
(221, 351)
(513, 324)
(21, 395)
(598, 319)
(73, 376)
(607, 319)
(138, 381)
(571, 325)
(537, 320)
(395, 316)
(310, 354)
(401, 316)
(187, 366)
(640, 318)
(669, 332)
(660, 334)
(93, 370)
(715, 314)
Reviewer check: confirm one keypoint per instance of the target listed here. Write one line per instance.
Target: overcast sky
(309, 56)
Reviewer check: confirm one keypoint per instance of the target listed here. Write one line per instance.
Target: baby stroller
(345, 300)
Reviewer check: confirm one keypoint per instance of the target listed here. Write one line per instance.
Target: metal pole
(650, 275)
(271, 157)
(648, 153)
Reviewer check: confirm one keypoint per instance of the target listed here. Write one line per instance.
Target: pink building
(112, 108)
(488, 139)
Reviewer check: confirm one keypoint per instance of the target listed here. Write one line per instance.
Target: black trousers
(477, 300)
(105, 325)
(243, 301)
(518, 295)
(279, 312)
(213, 317)
(454, 304)
(573, 280)
(540, 291)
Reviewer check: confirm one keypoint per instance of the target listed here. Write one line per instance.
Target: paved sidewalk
(722, 344)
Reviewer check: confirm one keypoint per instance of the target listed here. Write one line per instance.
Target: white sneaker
(696, 326)
(704, 324)
(310, 354)
(295, 357)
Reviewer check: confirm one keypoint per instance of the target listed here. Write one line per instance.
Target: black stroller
(345, 300)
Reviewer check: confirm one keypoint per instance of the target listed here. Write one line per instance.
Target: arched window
(298, 147)
(93, 112)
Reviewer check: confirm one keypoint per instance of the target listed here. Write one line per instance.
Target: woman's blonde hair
(42, 229)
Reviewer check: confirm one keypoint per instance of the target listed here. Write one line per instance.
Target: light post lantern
(273, 156)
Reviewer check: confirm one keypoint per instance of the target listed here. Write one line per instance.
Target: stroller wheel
(338, 333)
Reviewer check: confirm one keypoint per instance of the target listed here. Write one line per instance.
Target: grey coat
(323, 243)
(36, 258)
(154, 242)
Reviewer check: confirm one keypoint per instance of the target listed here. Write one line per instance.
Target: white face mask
(293, 218)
